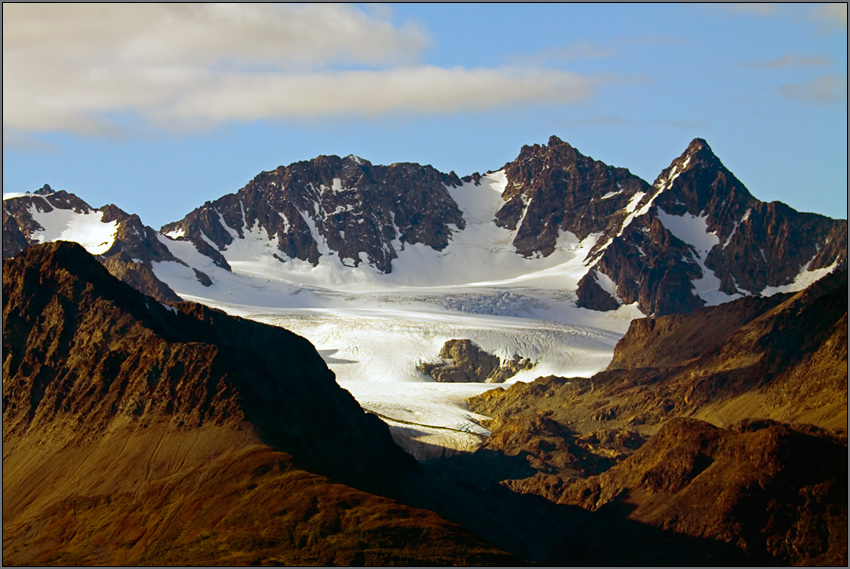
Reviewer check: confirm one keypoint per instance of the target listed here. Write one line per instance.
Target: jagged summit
(696, 236)
(45, 190)
(698, 145)
(331, 206)
(119, 240)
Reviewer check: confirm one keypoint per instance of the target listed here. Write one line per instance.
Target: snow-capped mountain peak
(552, 218)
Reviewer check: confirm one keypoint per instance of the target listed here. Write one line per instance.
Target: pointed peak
(555, 141)
(698, 144)
(699, 148)
(45, 190)
(356, 159)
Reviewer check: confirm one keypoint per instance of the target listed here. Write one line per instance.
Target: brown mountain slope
(250, 506)
(113, 401)
(773, 491)
(782, 357)
(777, 492)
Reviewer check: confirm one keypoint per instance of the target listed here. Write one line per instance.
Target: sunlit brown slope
(138, 433)
(707, 390)
(782, 357)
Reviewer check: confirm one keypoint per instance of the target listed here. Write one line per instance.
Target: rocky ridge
(141, 433)
(361, 212)
(127, 254)
(72, 330)
(695, 237)
(698, 228)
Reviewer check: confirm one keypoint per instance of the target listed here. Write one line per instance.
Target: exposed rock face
(554, 188)
(699, 225)
(139, 433)
(330, 204)
(130, 248)
(695, 237)
(466, 362)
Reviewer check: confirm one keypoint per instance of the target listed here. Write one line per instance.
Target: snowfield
(374, 343)
(373, 329)
(86, 228)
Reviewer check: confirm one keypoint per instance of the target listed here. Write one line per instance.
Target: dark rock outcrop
(465, 362)
(360, 211)
(747, 245)
(554, 188)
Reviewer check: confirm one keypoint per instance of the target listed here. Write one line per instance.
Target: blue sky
(158, 108)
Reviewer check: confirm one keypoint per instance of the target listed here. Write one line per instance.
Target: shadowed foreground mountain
(775, 492)
(141, 433)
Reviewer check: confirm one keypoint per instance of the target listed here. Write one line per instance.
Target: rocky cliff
(118, 239)
(329, 205)
(695, 237)
(136, 432)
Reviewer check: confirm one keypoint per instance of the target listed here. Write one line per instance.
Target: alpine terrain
(553, 362)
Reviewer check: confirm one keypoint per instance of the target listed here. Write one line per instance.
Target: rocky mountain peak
(698, 145)
(119, 240)
(329, 205)
(694, 237)
(700, 235)
(555, 188)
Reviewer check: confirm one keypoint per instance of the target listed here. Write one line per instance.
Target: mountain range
(674, 361)
(694, 237)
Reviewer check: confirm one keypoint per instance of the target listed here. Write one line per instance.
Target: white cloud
(822, 90)
(166, 33)
(75, 67)
(419, 89)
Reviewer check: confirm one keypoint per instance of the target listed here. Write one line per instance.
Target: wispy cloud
(70, 67)
(831, 16)
(822, 90)
(574, 52)
(792, 60)
(755, 8)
